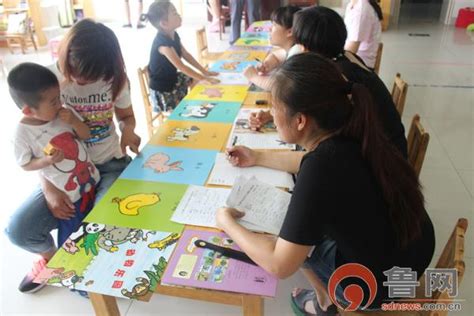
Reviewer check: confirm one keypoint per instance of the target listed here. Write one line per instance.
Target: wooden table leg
(104, 305)
(252, 305)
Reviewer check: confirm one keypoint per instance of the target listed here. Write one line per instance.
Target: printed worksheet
(264, 205)
(199, 205)
(224, 173)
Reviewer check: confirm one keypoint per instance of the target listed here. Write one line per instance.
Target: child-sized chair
(378, 58)
(399, 93)
(417, 143)
(204, 56)
(19, 32)
(153, 120)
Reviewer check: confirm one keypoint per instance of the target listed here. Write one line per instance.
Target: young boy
(46, 139)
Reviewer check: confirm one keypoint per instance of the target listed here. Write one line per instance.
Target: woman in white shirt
(363, 22)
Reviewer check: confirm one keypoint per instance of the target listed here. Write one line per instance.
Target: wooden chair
(417, 143)
(303, 3)
(204, 56)
(399, 93)
(451, 257)
(153, 120)
(378, 58)
(19, 33)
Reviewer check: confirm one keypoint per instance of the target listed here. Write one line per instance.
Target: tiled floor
(440, 72)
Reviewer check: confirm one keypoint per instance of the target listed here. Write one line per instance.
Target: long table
(251, 304)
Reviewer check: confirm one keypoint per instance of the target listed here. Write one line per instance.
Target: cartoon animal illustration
(113, 236)
(159, 163)
(250, 41)
(182, 134)
(131, 204)
(198, 111)
(213, 92)
(232, 65)
(139, 289)
(67, 279)
(81, 173)
(89, 233)
(165, 242)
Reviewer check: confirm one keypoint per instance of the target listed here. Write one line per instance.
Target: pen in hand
(225, 251)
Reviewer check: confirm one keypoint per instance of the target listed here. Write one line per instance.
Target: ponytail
(310, 84)
(377, 8)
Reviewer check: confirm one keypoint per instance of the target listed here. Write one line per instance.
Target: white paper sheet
(266, 138)
(264, 205)
(199, 205)
(224, 173)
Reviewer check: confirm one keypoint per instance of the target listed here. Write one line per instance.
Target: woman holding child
(356, 199)
(93, 83)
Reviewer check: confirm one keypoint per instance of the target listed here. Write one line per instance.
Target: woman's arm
(261, 81)
(352, 46)
(173, 57)
(276, 255)
(126, 120)
(289, 161)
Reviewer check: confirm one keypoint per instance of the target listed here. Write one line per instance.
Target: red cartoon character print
(81, 173)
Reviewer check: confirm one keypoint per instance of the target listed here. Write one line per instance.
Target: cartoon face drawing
(93, 228)
(230, 65)
(182, 134)
(213, 92)
(113, 236)
(159, 163)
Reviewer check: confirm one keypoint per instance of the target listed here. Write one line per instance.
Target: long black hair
(310, 84)
(377, 8)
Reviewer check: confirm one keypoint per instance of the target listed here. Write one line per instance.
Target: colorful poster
(252, 41)
(204, 268)
(111, 260)
(168, 164)
(232, 79)
(260, 26)
(217, 93)
(232, 65)
(244, 55)
(265, 49)
(262, 35)
(265, 138)
(205, 111)
(139, 204)
(197, 135)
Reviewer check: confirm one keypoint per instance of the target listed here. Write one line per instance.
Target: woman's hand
(226, 215)
(130, 139)
(250, 72)
(59, 203)
(210, 80)
(258, 119)
(241, 156)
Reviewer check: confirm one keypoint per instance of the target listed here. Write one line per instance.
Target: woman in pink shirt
(364, 29)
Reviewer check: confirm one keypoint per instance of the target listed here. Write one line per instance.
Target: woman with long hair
(356, 199)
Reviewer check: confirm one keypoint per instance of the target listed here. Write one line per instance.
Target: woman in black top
(322, 30)
(356, 199)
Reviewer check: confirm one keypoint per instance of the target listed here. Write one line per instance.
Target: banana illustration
(131, 204)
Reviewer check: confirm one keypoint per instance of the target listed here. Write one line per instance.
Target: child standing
(168, 86)
(46, 140)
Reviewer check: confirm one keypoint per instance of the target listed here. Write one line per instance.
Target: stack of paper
(264, 205)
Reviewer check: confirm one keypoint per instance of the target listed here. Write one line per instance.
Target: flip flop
(331, 311)
(299, 301)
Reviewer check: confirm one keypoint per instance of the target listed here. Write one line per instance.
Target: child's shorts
(167, 101)
(68, 226)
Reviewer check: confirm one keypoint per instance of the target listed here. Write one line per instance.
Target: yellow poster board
(218, 93)
(240, 55)
(189, 134)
